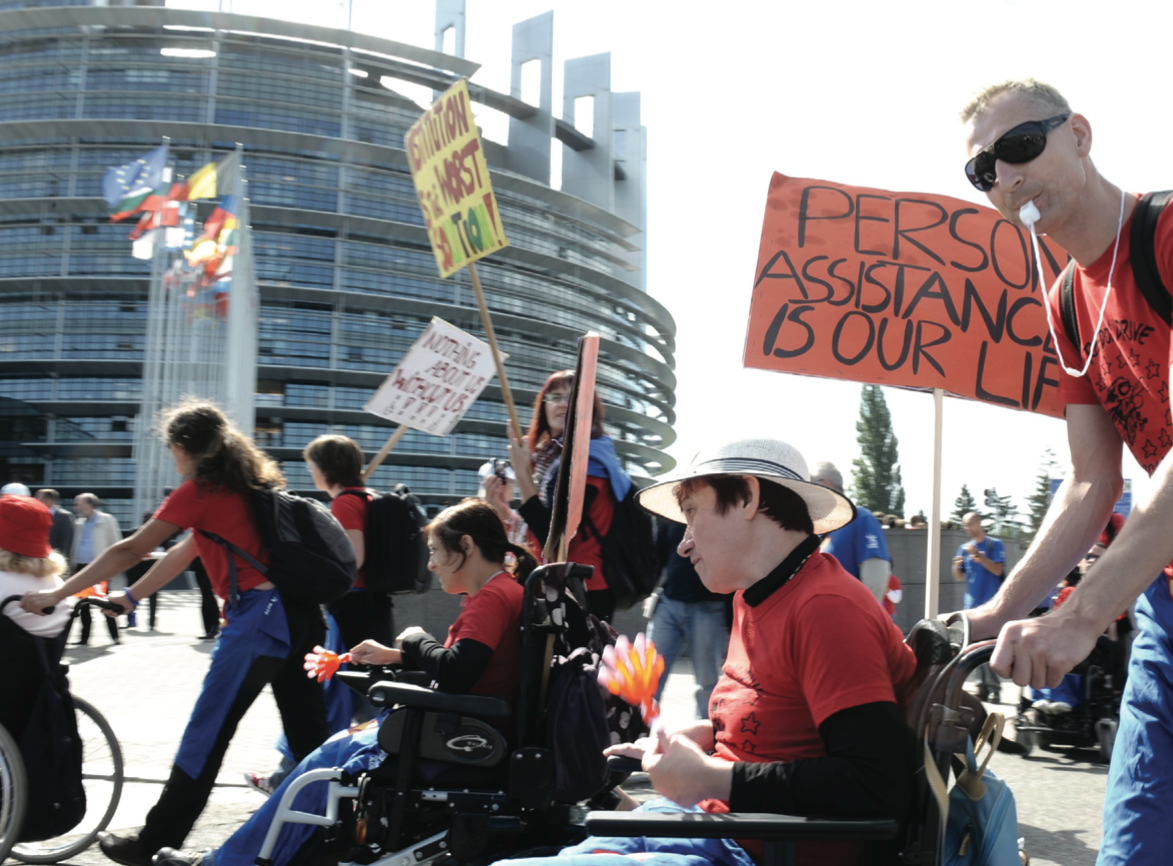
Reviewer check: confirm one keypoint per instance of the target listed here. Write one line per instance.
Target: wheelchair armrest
(622, 764)
(737, 825)
(385, 694)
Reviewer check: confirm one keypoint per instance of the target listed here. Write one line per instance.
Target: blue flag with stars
(126, 187)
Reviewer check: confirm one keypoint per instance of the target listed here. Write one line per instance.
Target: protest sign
(452, 181)
(570, 492)
(906, 289)
(438, 379)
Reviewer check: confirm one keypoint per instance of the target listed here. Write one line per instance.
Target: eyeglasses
(1020, 145)
(556, 399)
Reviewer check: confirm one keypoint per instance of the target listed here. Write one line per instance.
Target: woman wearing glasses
(536, 460)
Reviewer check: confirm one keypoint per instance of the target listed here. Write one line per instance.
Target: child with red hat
(28, 563)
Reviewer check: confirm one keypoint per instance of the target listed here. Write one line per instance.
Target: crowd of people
(802, 677)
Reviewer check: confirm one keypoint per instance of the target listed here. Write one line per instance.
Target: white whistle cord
(1028, 214)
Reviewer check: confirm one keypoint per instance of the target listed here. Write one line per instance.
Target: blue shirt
(981, 584)
(859, 540)
(85, 547)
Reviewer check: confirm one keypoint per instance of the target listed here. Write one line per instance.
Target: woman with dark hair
(536, 461)
(336, 463)
(481, 656)
(267, 635)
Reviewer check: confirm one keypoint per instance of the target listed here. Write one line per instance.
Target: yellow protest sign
(452, 182)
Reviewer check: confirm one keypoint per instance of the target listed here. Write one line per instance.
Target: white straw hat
(769, 459)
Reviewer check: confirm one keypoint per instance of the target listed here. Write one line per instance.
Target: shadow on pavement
(1060, 846)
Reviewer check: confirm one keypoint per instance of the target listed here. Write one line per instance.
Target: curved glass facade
(346, 278)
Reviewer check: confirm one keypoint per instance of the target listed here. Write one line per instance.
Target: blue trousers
(352, 752)
(1137, 829)
(700, 626)
(624, 851)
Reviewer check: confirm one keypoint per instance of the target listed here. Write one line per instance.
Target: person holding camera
(981, 563)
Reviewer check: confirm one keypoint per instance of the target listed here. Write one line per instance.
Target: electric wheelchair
(456, 787)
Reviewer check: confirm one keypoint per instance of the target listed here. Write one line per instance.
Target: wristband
(133, 601)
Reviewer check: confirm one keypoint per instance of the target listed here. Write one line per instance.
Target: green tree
(875, 476)
(1004, 513)
(964, 504)
(1039, 501)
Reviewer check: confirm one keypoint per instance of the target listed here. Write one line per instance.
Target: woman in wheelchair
(27, 564)
(806, 717)
(480, 656)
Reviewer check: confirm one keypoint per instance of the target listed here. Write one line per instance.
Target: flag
(144, 247)
(224, 214)
(126, 187)
(215, 178)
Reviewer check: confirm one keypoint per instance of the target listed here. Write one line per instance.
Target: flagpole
(506, 394)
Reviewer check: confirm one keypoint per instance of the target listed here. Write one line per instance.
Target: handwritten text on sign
(441, 375)
(452, 182)
(906, 289)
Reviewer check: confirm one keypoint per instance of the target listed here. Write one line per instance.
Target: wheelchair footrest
(470, 832)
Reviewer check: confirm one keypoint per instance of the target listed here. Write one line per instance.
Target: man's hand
(497, 493)
(36, 602)
(1039, 651)
(122, 601)
(680, 771)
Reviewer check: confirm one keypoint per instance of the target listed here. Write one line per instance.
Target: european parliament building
(345, 274)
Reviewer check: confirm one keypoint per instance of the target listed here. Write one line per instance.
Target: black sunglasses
(1021, 144)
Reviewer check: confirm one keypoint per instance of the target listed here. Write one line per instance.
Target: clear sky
(856, 92)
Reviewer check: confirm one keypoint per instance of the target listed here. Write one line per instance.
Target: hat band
(745, 466)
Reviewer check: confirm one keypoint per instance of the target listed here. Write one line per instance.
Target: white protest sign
(437, 380)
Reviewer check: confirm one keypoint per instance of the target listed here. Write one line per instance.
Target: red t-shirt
(493, 617)
(1129, 375)
(222, 513)
(818, 645)
(351, 512)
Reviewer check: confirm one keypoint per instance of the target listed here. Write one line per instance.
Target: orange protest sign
(906, 289)
(452, 182)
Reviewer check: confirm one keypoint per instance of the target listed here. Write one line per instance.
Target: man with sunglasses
(1026, 146)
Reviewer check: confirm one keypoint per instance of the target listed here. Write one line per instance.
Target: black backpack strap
(1067, 307)
(1144, 254)
(233, 584)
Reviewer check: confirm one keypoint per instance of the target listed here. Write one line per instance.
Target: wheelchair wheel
(13, 792)
(102, 777)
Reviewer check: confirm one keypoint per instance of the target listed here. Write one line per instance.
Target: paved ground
(146, 688)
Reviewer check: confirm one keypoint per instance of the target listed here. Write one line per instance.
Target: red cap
(24, 526)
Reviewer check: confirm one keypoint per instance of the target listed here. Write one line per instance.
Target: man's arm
(1074, 521)
(994, 568)
(1040, 651)
(874, 574)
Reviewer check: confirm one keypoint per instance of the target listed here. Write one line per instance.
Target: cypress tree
(876, 481)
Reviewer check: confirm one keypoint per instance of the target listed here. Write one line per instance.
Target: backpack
(310, 557)
(1143, 259)
(579, 720)
(396, 557)
(629, 551)
(52, 751)
(982, 824)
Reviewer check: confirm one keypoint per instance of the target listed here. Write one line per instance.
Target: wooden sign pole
(487, 321)
(933, 563)
(384, 451)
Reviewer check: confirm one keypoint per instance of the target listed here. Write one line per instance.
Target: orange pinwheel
(632, 670)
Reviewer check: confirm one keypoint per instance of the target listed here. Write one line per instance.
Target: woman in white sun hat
(806, 718)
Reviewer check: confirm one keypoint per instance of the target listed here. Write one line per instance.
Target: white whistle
(1028, 214)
